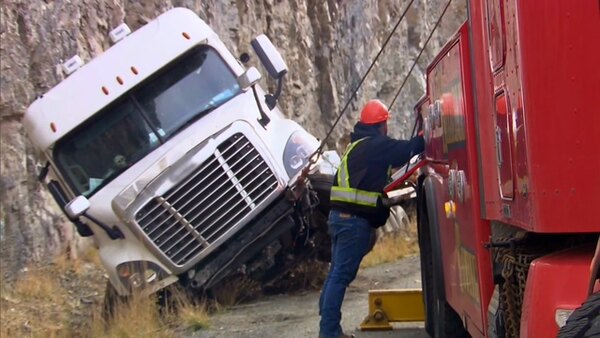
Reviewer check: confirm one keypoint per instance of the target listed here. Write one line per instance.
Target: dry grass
(65, 299)
(194, 317)
(36, 284)
(136, 318)
(141, 316)
(392, 247)
(186, 313)
(34, 306)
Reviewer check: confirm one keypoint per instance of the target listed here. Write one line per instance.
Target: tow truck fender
(430, 203)
(430, 244)
(555, 282)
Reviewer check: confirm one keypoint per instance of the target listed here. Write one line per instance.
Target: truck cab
(166, 150)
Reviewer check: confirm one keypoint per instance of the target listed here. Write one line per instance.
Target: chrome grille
(200, 209)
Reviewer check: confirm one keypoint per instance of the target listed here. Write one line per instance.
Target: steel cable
(420, 53)
(343, 111)
(312, 158)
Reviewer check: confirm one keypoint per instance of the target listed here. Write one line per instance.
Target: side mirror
(250, 77)
(77, 207)
(269, 56)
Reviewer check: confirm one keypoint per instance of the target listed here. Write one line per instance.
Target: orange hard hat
(374, 112)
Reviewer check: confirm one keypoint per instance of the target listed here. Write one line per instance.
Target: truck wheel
(112, 300)
(397, 223)
(441, 321)
(321, 237)
(584, 321)
(321, 184)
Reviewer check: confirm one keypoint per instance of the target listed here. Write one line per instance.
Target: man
(356, 205)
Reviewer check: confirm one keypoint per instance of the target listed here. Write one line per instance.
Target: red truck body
(507, 199)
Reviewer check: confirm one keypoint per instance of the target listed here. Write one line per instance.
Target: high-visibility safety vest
(343, 192)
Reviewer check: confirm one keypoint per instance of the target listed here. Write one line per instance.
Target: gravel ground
(296, 315)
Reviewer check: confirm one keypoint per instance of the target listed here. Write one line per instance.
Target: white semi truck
(166, 150)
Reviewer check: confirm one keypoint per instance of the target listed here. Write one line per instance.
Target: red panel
(560, 80)
(551, 80)
(485, 120)
(555, 281)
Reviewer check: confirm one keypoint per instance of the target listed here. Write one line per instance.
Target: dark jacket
(368, 167)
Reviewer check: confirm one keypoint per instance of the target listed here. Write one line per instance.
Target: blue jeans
(350, 242)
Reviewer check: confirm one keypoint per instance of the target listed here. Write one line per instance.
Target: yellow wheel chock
(399, 305)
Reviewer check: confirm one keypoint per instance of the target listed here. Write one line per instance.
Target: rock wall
(328, 46)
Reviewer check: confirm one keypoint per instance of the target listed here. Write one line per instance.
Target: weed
(64, 298)
(36, 284)
(392, 247)
(194, 317)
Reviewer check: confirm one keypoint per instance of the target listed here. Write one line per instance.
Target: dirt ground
(296, 315)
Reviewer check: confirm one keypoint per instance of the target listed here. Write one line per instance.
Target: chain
(515, 265)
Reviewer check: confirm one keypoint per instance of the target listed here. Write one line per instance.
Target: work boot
(343, 335)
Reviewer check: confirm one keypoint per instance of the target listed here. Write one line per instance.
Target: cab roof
(114, 72)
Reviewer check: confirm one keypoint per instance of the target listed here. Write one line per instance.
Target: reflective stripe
(343, 176)
(354, 196)
(343, 192)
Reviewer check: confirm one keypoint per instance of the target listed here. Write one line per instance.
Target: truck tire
(112, 300)
(397, 223)
(584, 321)
(321, 184)
(441, 321)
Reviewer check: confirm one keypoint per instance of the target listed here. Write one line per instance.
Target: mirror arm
(82, 228)
(59, 196)
(44, 172)
(271, 99)
(113, 233)
(264, 119)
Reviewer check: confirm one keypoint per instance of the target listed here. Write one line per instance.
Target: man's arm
(396, 152)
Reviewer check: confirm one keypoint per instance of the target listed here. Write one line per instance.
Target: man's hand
(391, 201)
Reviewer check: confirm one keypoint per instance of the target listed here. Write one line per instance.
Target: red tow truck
(510, 181)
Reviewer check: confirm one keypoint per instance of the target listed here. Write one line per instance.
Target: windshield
(143, 119)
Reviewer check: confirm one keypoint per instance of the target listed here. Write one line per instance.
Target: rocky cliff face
(328, 46)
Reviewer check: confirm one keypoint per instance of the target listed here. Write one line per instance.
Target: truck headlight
(297, 150)
(136, 274)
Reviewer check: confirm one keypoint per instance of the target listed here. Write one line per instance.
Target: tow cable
(299, 186)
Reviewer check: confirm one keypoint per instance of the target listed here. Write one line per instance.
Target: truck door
(461, 230)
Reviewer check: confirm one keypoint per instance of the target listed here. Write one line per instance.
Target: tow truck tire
(584, 322)
(441, 321)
